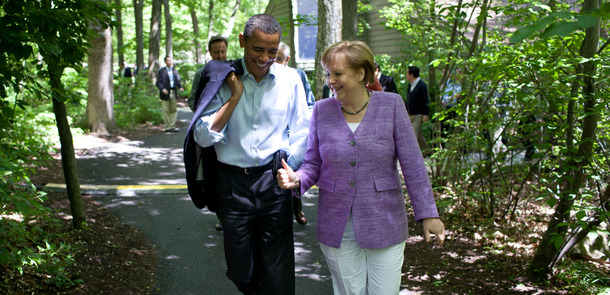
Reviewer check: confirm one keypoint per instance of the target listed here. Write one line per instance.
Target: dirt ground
(114, 258)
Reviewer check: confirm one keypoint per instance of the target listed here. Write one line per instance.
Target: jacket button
(353, 143)
(353, 163)
(351, 183)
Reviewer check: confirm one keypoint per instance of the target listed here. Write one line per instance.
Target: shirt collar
(414, 83)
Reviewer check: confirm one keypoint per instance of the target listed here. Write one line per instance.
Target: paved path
(143, 183)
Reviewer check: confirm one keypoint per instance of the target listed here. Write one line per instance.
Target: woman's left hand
(435, 226)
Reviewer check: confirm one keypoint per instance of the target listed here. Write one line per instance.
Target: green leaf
(557, 241)
(436, 62)
(552, 202)
(580, 215)
(561, 29)
(586, 21)
(522, 34)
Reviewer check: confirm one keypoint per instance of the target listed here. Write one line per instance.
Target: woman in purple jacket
(355, 139)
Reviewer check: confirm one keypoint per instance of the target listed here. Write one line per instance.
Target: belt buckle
(246, 171)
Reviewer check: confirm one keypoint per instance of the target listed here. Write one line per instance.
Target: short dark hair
(413, 71)
(263, 22)
(377, 67)
(217, 38)
(165, 59)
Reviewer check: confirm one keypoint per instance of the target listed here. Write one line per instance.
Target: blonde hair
(356, 53)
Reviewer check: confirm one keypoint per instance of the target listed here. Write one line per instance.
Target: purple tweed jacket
(357, 172)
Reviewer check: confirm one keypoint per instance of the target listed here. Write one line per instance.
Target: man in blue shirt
(247, 122)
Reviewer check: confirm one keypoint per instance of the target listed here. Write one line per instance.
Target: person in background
(417, 105)
(125, 71)
(247, 122)
(283, 56)
(387, 82)
(217, 47)
(168, 81)
(354, 143)
(374, 85)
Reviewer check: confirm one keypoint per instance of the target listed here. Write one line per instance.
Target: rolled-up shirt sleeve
(203, 133)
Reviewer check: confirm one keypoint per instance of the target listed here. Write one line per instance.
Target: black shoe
(218, 225)
(300, 217)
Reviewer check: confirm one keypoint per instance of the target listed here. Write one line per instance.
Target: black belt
(248, 170)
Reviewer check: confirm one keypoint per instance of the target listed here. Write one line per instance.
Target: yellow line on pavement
(157, 186)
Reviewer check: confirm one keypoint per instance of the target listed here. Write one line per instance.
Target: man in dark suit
(168, 81)
(387, 82)
(125, 71)
(217, 47)
(417, 105)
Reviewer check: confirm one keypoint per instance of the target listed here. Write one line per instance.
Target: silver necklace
(362, 108)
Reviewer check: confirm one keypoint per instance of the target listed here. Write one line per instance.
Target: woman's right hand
(286, 178)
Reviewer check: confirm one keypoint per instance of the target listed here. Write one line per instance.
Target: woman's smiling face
(260, 52)
(343, 80)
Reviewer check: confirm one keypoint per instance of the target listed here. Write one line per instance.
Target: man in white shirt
(247, 122)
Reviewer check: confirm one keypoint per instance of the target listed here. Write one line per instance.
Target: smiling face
(260, 52)
(345, 82)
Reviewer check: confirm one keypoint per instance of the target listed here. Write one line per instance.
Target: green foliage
(581, 278)
(27, 245)
(561, 23)
(136, 103)
(514, 99)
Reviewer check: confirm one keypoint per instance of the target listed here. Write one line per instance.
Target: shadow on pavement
(190, 252)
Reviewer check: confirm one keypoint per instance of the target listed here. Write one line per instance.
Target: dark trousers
(256, 216)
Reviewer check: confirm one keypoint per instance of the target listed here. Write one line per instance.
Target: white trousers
(357, 271)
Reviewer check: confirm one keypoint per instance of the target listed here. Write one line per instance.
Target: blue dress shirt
(259, 124)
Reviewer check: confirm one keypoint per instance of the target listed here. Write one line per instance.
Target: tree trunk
(543, 262)
(232, 18)
(293, 60)
(154, 40)
(169, 36)
(68, 160)
(100, 101)
(350, 19)
(138, 6)
(211, 32)
(477, 30)
(119, 32)
(195, 21)
(580, 232)
(329, 33)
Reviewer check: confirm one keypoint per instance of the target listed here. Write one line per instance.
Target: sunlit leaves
(560, 24)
